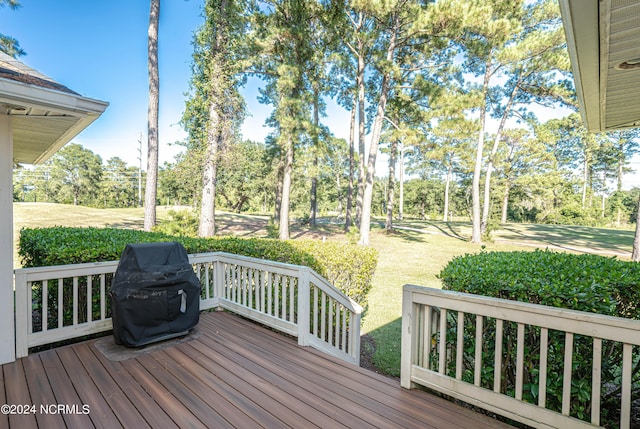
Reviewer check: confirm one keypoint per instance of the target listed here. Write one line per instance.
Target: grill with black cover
(155, 295)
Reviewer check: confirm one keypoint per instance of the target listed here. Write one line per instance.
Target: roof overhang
(44, 120)
(45, 115)
(603, 39)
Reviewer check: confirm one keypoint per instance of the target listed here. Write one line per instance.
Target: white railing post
(304, 306)
(408, 338)
(218, 280)
(23, 306)
(354, 337)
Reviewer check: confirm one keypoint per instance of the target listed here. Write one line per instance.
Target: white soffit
(620, 63)
(603, 39)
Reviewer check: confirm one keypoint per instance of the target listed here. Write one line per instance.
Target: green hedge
(349, 267)
(588, 283)
(580, 282)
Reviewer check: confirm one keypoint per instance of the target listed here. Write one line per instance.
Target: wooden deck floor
(228, 373)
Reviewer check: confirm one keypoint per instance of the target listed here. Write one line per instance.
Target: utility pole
(140, 171)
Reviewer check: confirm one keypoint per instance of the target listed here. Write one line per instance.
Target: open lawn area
(415, 253)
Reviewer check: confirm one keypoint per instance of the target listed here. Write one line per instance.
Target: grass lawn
(36, 215)
(406, 257)
(414, 254)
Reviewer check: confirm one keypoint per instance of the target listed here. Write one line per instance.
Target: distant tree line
(76, 175)
(539, 188)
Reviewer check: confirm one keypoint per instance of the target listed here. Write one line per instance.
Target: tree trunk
(620, 166)
(390, 194)
(367, 197)
(314, 196)
(447, 186)
(286, 191)
(604, 188)
(339, 194)
(209, 176)
(494, 150)
(208, 205)
(585, 179)
(505, 202)
(476, 235)
(361, 118)
(278, 201)
(352, 129)
(401, 196)
(635, 256)
(314, 169)
(152, 119)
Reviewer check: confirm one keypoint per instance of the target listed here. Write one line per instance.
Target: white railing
(466, 346)
(63, 302)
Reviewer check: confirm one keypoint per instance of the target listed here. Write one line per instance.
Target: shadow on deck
(228, 372)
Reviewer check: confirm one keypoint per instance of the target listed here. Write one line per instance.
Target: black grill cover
(155, 294)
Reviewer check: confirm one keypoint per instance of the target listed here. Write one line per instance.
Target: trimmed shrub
(580, 282)
(350, 268)
(588, 283)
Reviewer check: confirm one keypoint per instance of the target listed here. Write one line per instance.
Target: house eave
(602, 40)
(581, 26)
(30, 102)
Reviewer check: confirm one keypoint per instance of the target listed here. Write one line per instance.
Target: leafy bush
(580, 282)
(350, 268)
(182, 222)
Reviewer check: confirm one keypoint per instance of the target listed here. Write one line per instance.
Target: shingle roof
(11, 68)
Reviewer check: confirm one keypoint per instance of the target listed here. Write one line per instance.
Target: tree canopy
(8, 44)
(456, 95)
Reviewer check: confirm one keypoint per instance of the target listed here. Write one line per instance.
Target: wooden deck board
(108, 403)
(18, 394)
(196, 406)
(284, 375)
(204, 394)
(180, 414)
(155, 416)
(232, 373)
(41, 392)
(63, 389)
(239, 396)
(272, 385)
(377, 404)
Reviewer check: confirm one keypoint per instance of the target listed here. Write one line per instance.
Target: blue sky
(98, 48)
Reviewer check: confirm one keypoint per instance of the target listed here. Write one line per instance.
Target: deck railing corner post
(354, 340)
(304, 307)
(407, 338)
(218, 282)
(22, 308)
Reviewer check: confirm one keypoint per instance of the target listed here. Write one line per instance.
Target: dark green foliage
(349, 267)
(580, 282)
